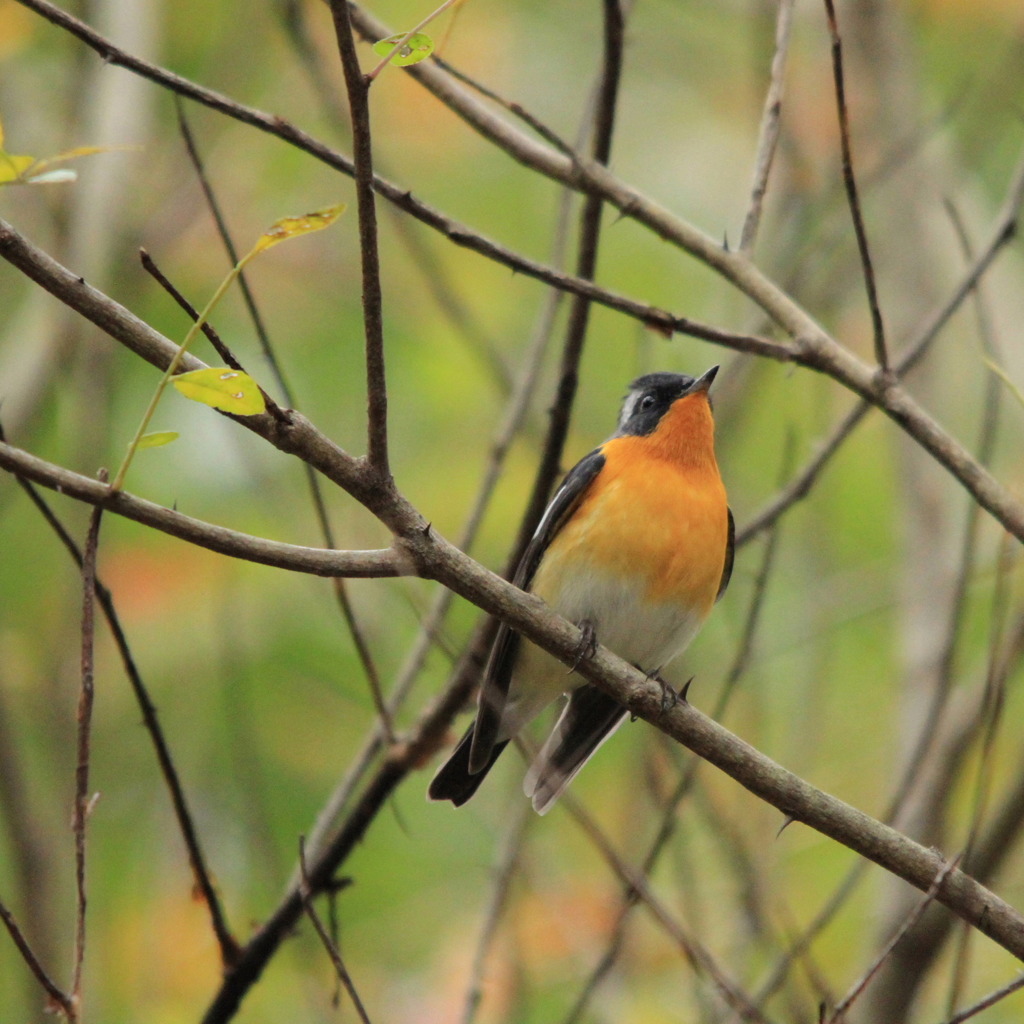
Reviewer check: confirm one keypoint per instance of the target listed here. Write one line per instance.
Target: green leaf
(223, 388)
(158, 438)
(417, 47)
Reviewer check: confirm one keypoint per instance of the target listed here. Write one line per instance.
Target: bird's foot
(587, 645)
(670, 697)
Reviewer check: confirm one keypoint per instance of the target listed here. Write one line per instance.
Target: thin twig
(83, 802)
(993, 705)
(995, 682)
(586, 265)
(332, 949)
(226, 941)
(373, 564)
(209, 331)
(768, 136)
(507, 862)
(57, 996)
(908, 967)
(990, 1000)
(850, 182)
(696, 954)
(358, 87)
(516, 411)
(548, 134)
(270, 354)
(858, 987)
(1003, 233)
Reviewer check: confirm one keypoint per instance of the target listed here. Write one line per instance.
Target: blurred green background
(258, 688)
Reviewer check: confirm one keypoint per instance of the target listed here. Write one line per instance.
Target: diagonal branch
(59, 998)
(1004, 231)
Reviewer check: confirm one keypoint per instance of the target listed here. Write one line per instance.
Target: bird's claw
(671, 697)
(587, 646)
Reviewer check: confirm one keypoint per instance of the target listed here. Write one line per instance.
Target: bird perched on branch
(635, 548)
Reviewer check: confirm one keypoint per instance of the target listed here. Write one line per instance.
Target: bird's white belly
(647, 634)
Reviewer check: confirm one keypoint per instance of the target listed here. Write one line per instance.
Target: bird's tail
(454, 781)
(587, 720)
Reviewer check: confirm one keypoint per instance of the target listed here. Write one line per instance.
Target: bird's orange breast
(657, 513)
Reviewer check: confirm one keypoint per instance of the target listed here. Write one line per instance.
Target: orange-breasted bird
(635, 548)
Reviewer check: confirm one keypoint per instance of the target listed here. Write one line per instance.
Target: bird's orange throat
(686, 434)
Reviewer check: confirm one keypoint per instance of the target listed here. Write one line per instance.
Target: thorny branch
(419, 550)
(811, 345)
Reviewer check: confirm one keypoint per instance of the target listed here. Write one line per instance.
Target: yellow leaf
(13, 167)
(158, 438)
(223, 388)
(290, 227)
(28, 170)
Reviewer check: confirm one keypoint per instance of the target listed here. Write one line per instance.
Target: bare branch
(586, 264)
(1005, 230)
(233, 255)
(990, 1000)
(507, 863)
(696, 954)
(332, 950)
(316, 561)
(358, 87)
(402, 198)
(83, 801)
(858, 987)
(768, 135)
(227, 943)
(850, 183)
(59, 998)
(312, 480)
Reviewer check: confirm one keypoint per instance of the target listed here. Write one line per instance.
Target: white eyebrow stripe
(629, 407)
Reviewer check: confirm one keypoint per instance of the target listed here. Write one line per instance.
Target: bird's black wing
(730, 554)
(500, 664)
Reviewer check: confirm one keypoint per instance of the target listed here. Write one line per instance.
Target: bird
(635, 548)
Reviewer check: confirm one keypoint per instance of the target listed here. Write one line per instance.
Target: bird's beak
(702, 384)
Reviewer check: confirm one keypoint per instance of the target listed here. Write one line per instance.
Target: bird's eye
(647, 402)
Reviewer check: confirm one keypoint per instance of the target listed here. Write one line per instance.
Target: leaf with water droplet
(222, 388)
(417, 47)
